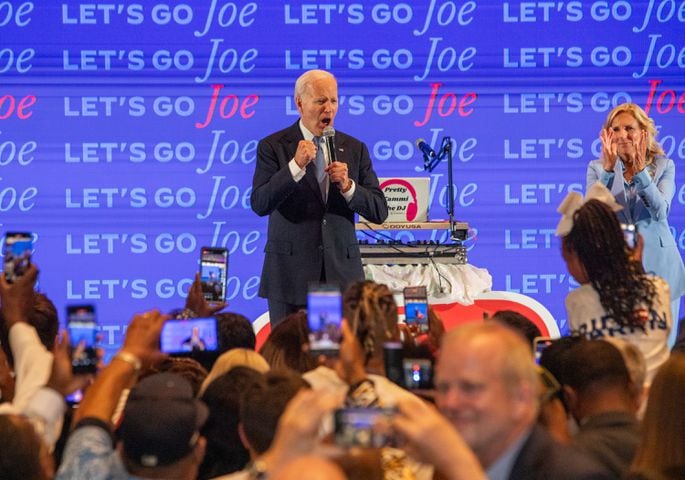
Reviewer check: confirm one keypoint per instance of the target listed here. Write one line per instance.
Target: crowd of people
(600, 403)
(592, 409)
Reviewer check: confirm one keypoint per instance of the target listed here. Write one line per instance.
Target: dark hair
(234, 331)
(597, 239)
(284, 346)
(262, 405)
(595, 364)
(188, 368)
(372, 312)
(225, 453)
(554, 356)
(20, 450)
(43, 317)
(518, 322)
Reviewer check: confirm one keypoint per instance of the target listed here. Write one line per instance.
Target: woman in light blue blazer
(633, 166)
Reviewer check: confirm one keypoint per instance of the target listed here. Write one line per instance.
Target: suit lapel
(619, 191)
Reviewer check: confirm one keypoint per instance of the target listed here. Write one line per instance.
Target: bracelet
(130, 359)
(258, 470)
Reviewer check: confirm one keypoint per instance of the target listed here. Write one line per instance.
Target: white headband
(575, 200)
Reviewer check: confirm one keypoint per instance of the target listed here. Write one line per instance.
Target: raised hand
(142, 337)
(17, 297)
(640, 160)
(609, 149)
(306, 152)
(338, 174)
(197, 302)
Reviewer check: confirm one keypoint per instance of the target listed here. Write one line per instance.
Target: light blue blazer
(655, 187)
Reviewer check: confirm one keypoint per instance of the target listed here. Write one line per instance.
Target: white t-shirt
(587, 317)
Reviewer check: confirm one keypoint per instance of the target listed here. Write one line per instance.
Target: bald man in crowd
(488, 387)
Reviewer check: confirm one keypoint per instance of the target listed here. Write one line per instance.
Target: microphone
(426, 149)
(329, 138)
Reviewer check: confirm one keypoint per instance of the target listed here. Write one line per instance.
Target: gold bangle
(130, 359)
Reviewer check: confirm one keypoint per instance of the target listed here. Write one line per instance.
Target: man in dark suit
(487, 386)
(311, 201)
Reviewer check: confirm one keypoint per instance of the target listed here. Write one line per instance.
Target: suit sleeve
(657, 196)
(596, 173)
(272, 182)
(368, 199)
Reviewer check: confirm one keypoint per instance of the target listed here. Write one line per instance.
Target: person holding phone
(616, 298)
(311, 196)
(634, 168)
(358, 372)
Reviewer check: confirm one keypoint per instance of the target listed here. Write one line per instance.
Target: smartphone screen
(17, 254)
(416, 309)
(630, 233)
(363, 427)
(418, 373)
(213, 271)
(324, 315)
(191, 335)
(82, 328)
(539, 346)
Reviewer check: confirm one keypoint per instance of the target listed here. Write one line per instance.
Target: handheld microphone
(329, 138)
(426, 149)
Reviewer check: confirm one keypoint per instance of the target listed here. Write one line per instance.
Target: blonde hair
(236, 357)
(647, 124)
(662, 443)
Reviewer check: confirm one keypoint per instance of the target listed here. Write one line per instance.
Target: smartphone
(82, 328)
(189, 335)
(213, 273)
(539, 346)
(416, 309)
(418, 373)
(630, 233)
(393, 355)
(363, 427)
(16, 251)
(324, 315)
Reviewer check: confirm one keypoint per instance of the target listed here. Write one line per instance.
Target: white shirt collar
(306, 133)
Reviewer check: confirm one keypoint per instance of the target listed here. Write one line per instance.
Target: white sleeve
(32, 363)
(46, 410)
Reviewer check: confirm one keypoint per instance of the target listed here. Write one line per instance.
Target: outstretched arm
(141, 348)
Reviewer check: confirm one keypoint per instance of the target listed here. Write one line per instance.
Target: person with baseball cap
(158, 435)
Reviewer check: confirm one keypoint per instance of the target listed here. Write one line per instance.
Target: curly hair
(372, 312)
(623, 287)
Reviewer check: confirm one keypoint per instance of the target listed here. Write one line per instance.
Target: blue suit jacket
(655, 190)
(305, 234)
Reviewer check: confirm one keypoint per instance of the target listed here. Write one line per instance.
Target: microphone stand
(430, 164)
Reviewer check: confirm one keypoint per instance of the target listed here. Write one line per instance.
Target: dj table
(386, 251)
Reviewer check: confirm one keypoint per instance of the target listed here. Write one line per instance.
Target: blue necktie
(320, 163)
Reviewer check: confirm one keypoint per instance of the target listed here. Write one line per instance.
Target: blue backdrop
(128, 130)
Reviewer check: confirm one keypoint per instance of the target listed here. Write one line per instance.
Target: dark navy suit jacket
(304, 234)
(542, 458)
